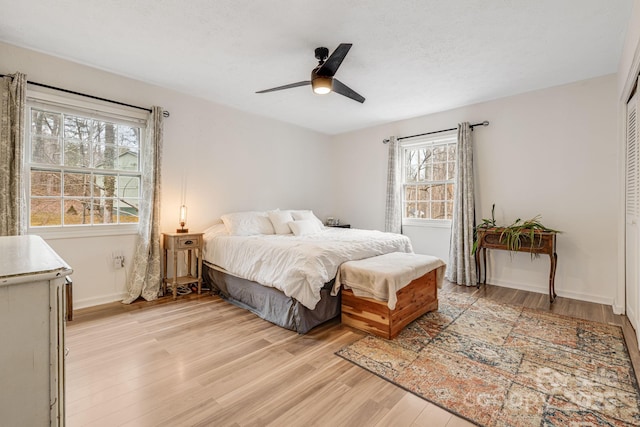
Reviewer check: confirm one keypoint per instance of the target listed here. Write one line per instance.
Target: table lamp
(183, 220)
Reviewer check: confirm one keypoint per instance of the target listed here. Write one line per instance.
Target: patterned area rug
(504, 365)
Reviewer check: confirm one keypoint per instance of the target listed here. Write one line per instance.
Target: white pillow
(247, 223)
(305, 227)
(216, 230)
(280, 221)
(306, 215)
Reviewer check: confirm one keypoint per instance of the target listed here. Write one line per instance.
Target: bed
(285, 274)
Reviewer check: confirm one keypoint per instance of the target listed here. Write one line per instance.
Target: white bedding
(299, 266)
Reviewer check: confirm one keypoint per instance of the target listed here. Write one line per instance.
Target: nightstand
(340, 226)
(172, 243)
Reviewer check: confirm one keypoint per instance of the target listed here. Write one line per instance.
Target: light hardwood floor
(200, 361)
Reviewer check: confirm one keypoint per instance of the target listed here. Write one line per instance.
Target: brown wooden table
(544, 242)
(192, 243)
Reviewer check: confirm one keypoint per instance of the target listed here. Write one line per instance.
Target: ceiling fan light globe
(322, 85)
(320, 90)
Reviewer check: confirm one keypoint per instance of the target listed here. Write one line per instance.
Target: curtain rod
(164, 113)
(485, 123)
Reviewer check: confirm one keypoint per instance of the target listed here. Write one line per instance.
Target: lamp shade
(321, 84)
(183, 219)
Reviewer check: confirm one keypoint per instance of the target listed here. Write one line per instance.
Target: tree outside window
(83, 170)
(429, 178)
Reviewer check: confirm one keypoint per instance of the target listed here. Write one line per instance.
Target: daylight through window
(429, 177)
(83, 169)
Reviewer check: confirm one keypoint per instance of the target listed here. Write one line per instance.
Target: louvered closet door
(632, 204)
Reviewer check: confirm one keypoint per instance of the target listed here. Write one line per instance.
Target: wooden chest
(373, 316)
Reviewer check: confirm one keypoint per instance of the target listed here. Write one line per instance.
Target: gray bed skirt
(270, 303)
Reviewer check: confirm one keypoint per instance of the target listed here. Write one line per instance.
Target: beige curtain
(146, 277)
(393, 210)
(13, 90)
(461, 268)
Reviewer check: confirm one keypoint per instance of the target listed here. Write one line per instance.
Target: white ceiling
(409, 57)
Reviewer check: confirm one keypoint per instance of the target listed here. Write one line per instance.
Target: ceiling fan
(322, 80)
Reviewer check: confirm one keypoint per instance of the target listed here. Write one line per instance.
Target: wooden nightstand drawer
(188, 242)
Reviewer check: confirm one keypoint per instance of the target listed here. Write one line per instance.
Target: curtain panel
(146, 278)
(13, 90)
(461, 268)
(393, 210)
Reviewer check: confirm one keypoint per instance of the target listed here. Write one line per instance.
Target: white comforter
(299, 266)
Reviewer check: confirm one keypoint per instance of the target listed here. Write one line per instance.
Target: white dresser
(32, 326)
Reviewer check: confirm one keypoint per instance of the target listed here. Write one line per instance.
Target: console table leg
(484, 263)
(478, 270)
(552, 277)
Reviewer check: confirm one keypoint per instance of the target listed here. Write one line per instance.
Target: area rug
(503, 365)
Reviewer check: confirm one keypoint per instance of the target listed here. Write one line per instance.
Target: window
(428, 178)
(83, 164)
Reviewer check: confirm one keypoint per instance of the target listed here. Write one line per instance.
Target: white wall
(228, 160)
(551, 152)
(630, 51)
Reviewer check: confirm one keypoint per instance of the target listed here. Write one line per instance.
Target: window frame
(91, 109)
(442, 138)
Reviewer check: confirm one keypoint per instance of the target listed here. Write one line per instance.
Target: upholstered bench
(383, 294)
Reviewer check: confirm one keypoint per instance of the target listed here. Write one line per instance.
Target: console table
(544, 242)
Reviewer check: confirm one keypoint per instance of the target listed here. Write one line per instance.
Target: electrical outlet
(118, 261)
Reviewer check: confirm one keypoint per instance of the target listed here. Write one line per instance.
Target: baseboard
(618, 309)
(561, 293)
(90, 302)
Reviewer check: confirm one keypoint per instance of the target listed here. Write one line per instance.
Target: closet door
(632, 205)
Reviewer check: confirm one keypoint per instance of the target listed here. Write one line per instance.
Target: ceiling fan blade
(342, 89)
(289, 86)
(332, 63)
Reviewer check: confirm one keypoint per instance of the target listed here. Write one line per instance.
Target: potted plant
(514, 235)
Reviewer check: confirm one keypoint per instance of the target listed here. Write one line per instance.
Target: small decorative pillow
(305, 227)
(306, 215)
(280, 221)
(247, 223)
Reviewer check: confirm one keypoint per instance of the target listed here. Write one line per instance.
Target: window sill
(83, 231)
(429, 223)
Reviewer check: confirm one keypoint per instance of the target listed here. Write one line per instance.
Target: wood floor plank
(405, 412)
(433, 416)
(200, 361)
